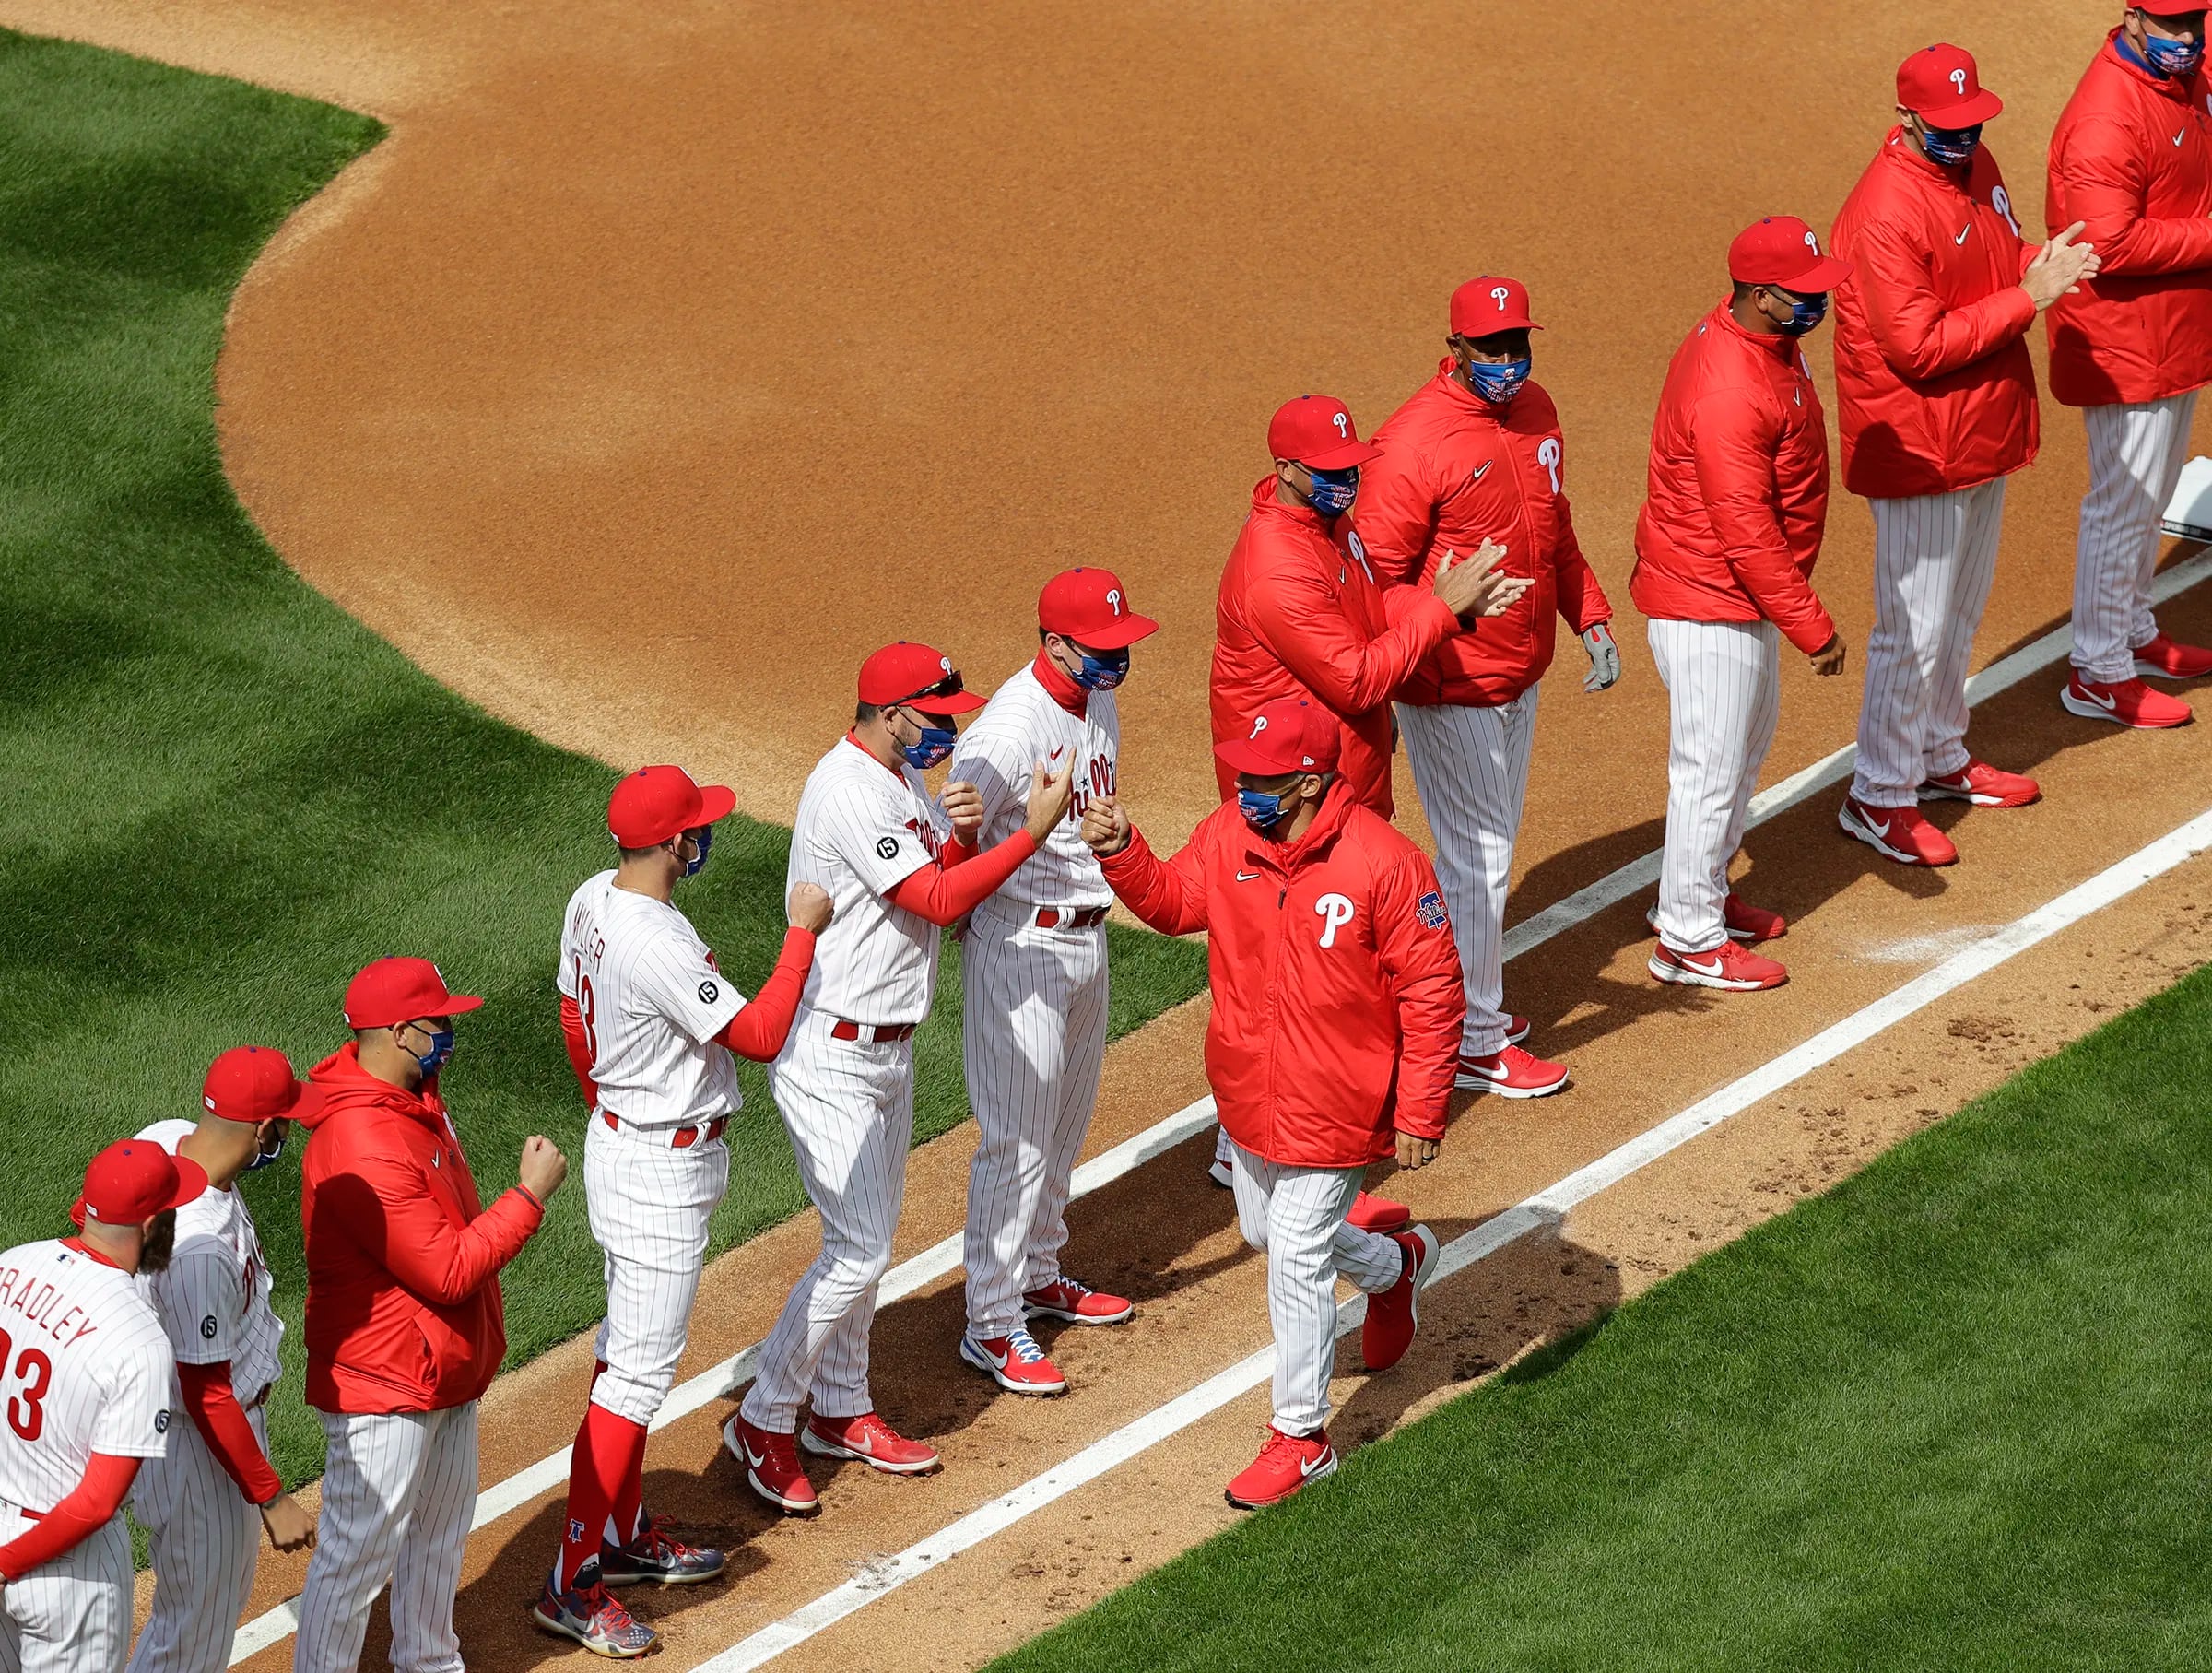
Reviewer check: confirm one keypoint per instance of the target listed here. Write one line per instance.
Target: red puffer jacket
(1737, 499)
(403, 1290)
(1337, 1003)
(1453, 470)
(2131, 159)
(1934, 391)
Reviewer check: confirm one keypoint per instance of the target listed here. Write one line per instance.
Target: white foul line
(1545, 1208)
(941, 1258)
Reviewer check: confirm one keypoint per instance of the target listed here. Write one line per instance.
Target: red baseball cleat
(1984, 786)
(596, 1621)
(1078, 1304)
(1512, 1073)
(2128, 703)
(1729, 965)
(1377, 1213)
(1902, 834)
(1751, 924)
(869, 1439)
(1014, 1363)
(771, 1465)
(2165, 658)
(1394, 1315)
(1516, 1028)
(1286, 1464)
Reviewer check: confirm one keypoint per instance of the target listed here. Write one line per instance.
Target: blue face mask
(704, 836)
(1950, 146)
(262, 1159)
(1333, 491)
(2173, 58)
(1262, 810)
(1102, 672)
(441, 1048)
(936, 746)
(1805, 313)
(1498, 385)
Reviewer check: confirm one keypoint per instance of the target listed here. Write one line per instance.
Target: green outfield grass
(1954, 1414)
(223, 795)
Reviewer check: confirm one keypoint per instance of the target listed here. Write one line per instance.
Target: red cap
(254, 1083)
(916, 674)
(1488, 304)
(393, 991)
(134, 1179)
(1316, 432)
(655, 802)
(1781, 250)
(1940, 85)
(1089, 607)
(1290, 735)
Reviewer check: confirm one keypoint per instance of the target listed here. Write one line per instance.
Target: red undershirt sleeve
(84, 1513)
(580, 1049)
(943, 891)
(759, 1030)
(223, 1424)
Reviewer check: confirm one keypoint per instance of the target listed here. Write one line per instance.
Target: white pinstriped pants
(398, 1493)
(649, 1206)
(1470, 764)
(1723, 694)
(1034, 1035)
(71, 1615)
(1296, 1216)
(849, 1107)
(207, 1540)
(1935, 555)
(2137, 451)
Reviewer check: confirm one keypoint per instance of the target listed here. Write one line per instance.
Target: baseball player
(204, 1504)
(1937, 402)
(1726, 544)
(1033, 979)
(404, 1326)
(84, 1376)
(2131, 161)
(898, 867)
(1477, 457)
(1334, 1041)
(650, 1022)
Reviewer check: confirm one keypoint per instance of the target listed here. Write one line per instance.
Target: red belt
(680, 1139)
(1055, 917)
(888, 1033)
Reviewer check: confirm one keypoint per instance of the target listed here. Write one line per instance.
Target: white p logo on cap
(1259, 724)
(1343, 425)
(1113, 599)
(1811, 242)
(1498, 294)
(1959, 81)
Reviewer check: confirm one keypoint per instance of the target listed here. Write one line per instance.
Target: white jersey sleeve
(133, 1418)
(674, 974)
(201, 1305)
(996, 760)
(875, 835)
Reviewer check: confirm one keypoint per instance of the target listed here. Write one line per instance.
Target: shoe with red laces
(1078, 1304)
(1394, 1315)
(1983, 786)
(1014, 1363)
(2127, 702)
(1746, 922)
(657, 1557)
(2165, 658)
(1730, 965)
(1512, 1073)
(1378, 1213)
(771, 1461)
(1902, 834)
(869, 1439)
(593, 1618)
(1286, 1464)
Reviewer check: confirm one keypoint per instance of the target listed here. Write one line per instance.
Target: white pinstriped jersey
(862, 830)
(212, 1298)
(86, 1370)
(653, 1000)
(1023, 727)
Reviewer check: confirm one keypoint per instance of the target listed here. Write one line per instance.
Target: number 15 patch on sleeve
(1430, 908)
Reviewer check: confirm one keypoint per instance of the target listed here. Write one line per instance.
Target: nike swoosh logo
(2102, 703)
(1881, 829)
(1306, 1467)
(1057, 753)
(1476, 1068)
(1481, 470)
(1247, 876)
(754, 1459)
(2178, 133)
(1962, 232)
(1710, 968)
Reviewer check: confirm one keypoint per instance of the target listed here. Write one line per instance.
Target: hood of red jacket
(1264, 504)
(346, 1085)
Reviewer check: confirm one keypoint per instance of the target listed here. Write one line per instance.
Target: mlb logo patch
(1430, 908)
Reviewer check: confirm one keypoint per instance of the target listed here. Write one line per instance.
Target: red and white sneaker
(2127, 702)
(1286, 1464)
(1983, 786)
(1395, 1315)
(2165, 658)
(1902, 834)
(1730, 965)
(1512, 1073)
(1014, 1363)
(1377, 1213)
(1078, 1304)
(771, 1461)
(869, 1439)
(1744, 923)
(1516, 1028)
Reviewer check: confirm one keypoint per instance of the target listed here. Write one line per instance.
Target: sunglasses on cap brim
(949, 686)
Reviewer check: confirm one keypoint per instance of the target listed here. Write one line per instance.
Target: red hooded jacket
(1934, 391)
(402, 1261)
(1337, 1002)
(1737, 499)
(1456, 469)
(2131, 159)
(1299, 614)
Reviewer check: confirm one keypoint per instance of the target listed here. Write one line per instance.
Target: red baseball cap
(1090, 607)
(1940, 85)
(133, 1179)
(1781, 250)
(909, 672)
(655, 802)
(1317, 433)
(1290, 735)
(393, 991)
(254, 1083)
(1488, 304)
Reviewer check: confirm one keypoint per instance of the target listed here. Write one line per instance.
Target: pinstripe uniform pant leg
(2137, 451)
(1470, 764)
(206, 1541)
(1935, 555)
(1034, 1035)
(650, 1206)
(1296, 1216)
(1723, 686)
(71, 1615)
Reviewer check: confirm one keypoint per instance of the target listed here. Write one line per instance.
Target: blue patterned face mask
(704, 837)
(1498, 385)
(1102, 672)
(1950, 146)
(1333, 491)
(1805, 313)
(936, 745)
(441, 1048)
(2173, 58)
(1263, 809)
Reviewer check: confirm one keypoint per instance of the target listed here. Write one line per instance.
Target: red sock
(626, 1517)
(602, 1457)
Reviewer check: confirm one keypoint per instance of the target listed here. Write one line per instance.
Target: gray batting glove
(1604, 658)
